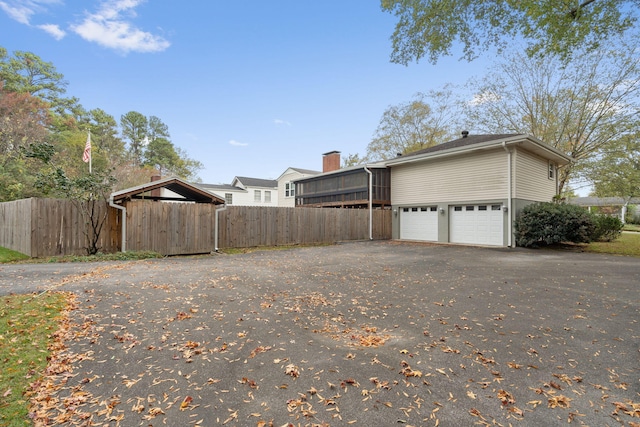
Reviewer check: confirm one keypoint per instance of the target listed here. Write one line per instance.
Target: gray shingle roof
(219, 187)
(461, 142)
(257, 182)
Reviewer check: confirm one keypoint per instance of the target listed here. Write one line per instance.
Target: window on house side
(267, 196)
(289, 189)
(228, 198)
(552, 170)
(257, 195)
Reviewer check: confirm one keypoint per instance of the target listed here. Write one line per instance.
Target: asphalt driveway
(371, 333)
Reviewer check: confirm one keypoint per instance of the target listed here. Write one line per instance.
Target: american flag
(86, 156)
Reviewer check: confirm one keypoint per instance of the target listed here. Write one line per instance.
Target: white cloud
(483, 98)
(23, 10)
(53, 30)
(281, 122)
(237, 144)
(109, 27)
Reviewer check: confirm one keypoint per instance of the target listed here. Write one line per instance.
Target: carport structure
(182, 223)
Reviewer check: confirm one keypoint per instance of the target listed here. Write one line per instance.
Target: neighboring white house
(610, 205)
(245, 191)
(286, 186)
(469, 190)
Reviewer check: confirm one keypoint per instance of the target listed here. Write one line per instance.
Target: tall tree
(410, 126)
(27, 72)
(23, 121)
(429, 28)
(104, 134)
(161, 155)
(352, 160)
(23, 130)
(615, 172)
(157, 129)
(168, 159)
(135, 128)
(579, 108)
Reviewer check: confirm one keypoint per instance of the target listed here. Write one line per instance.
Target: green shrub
(608, 228)
(550, 223)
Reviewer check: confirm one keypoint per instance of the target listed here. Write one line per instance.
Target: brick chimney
(158, 191)
(331, 161)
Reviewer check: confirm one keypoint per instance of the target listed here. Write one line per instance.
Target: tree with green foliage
(135, 130)
(65, 175)
(26, 72)
(411, 126)
(429, 28)
(161, 155)
(23, 127)
(615, 172)
(104, 135)
(352, 160)
(157, 129)
(579, 108)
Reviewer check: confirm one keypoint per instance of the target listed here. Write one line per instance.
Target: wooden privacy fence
(48, 227)
(247, 226)
(187, 228)
(170, 228)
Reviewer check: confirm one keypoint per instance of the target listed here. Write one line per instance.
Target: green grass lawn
(632, 227)
(27, 323)
(626, 244)
(7, 255)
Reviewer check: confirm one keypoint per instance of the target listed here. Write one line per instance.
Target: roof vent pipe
(465, 133)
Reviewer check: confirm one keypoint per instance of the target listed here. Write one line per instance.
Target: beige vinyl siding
(282, 200)
(476, 176)
(532, 177)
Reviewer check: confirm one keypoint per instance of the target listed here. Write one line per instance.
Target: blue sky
(248, 88)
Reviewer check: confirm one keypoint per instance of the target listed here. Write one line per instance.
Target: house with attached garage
(469, 190)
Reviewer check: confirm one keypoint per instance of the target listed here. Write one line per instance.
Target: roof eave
(556, 155)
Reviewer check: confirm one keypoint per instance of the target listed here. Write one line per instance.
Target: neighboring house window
(257, 196)
(552, 170)
(289, 189)
(228, 198)
(267, 196)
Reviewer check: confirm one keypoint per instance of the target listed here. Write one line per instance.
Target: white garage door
(476, 224)
(419, 223)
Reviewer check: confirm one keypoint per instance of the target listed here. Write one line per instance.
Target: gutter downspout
(124, 222)
(370, 202)
(509, 199)
(215, 239)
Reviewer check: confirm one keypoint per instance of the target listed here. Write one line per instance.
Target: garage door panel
(419, 223)
(476, 224)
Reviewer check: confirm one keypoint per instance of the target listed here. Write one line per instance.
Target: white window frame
(552, 170)
(257, 196)
(228, 198)
(289, 189)
(267, 196)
